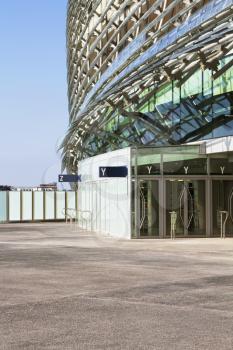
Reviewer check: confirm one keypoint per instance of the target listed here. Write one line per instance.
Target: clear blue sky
(33, 90)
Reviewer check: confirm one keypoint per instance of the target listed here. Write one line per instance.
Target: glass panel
(176, 93)
(26, 205)
(225, 82)
(196, 207)
(14, 206)
(207, 82)
(49, 205)
(144, 108)
(222, 165)
(193, 85)
(222, 115)
(60, 205)
(149, 208)
(222, 199)
(148, 161)
(173, 191)
(71, 200)
(176, 160)
(3, 206)
(187, 199)
(152, 104)
(164, 94)
(38, 205)
(185, 164)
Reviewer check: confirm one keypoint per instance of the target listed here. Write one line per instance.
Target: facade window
(184, 165)
(152, 104)
(164, 94)
(207, 82)
(176, 92)
(193, 85)
(224, 83)
(221, 165)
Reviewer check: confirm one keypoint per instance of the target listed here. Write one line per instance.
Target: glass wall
(177, 180)
(199, 108)
(173, 160)
(36, 205)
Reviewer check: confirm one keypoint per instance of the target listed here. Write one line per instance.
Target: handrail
(69, 213)
(77, 217)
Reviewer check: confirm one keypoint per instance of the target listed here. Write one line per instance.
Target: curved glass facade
(147, 73)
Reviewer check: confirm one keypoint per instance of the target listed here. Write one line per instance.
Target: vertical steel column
(162, 202)
(129, 187)
(186, 218)
(55, 205)
(33, 199)
(162, 207)
(209, 209)
(8, 206)
(136, 198)
(21, 205)
(44, 206)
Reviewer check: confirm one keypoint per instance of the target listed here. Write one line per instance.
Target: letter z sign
(113, 171)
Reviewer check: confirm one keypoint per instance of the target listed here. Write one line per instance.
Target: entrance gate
(187, 199)
(198, 205)
(222, 202)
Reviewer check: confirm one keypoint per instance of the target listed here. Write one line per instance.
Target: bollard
(173, 215)
(223, 222)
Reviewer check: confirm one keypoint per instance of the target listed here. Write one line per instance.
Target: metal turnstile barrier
(223, 222)
(173, 216)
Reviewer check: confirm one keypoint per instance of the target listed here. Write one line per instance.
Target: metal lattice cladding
(118, 49)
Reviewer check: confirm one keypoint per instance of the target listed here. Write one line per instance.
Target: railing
(79, 218)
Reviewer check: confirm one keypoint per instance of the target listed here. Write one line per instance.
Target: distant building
(5, 188)
(43, 187)
(48, 187)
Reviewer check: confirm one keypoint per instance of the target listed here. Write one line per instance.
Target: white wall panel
(38, 205)
(98, 208)
(94, 206)
(71, 199)
(3, 206)
(107, 198)
(26, 205)
(60, 204)
(14, 206)
(49, 205)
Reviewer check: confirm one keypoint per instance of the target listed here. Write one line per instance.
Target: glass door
(148, 208)
(186, 199)
(222, 201)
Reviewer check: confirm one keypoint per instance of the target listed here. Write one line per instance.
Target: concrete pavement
(61, 289)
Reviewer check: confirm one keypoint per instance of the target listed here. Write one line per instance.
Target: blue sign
(113, 171)
(69, 178)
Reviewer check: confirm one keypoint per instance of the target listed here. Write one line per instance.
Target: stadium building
(150, 88)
